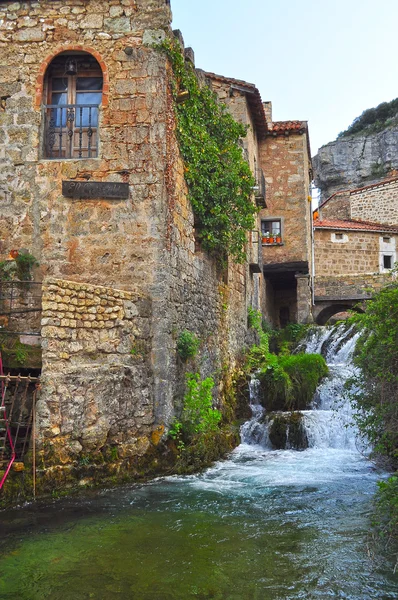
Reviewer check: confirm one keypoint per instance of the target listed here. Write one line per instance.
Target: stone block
(117, 25)
(31, 34)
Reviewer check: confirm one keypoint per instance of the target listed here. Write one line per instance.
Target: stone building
(355, 245)
(280, 157)
(92, 185)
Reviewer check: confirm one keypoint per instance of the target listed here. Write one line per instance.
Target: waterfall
(329, 421)
(254, 431)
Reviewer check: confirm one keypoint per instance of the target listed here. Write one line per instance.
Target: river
(262, 525)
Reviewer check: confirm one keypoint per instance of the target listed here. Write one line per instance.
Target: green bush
(373, 120)
(376, 391)
(187, 344)
(198, 415)
(387, 507)
(254, 319)
(377, 357)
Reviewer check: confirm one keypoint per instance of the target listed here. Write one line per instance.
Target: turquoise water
(261, 525)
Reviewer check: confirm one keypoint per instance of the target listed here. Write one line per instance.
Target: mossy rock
(290, 384)
(287, 431)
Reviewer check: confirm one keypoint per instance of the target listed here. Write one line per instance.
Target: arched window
(72, 96)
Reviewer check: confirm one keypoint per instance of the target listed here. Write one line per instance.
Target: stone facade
(377, 203)
(356, 252)
(121, 277)
(282, 155)
(287, 172)
(350, 265)
(355, 242)
(285, 158)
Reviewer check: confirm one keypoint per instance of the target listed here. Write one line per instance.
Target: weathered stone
(32, 34)
(352, 162)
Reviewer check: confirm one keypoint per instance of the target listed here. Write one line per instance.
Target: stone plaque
(88, 190)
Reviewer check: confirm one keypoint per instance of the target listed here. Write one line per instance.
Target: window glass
(88, 98)
(59, 84)
(387, 261)
(89, 83)
(272, 227)
(59, 99)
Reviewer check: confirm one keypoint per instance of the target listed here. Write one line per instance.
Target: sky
(321, 61)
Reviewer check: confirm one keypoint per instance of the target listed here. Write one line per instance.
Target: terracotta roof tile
(253, 98)
(288, 126)
(358, 225)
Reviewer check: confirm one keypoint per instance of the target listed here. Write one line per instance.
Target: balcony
(259, 188)
(255, 252)
(71, 131)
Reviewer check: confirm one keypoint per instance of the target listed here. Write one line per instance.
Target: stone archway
(323, 311)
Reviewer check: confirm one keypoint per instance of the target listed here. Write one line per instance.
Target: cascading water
(329, 423)
(263, 525)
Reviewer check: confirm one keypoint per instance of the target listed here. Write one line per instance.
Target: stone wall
(97, 384)
(337, 207)
(354, 286)
(378, 203)
(353, 252)
(357, 252)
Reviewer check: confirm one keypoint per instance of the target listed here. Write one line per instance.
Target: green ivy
(219, 180)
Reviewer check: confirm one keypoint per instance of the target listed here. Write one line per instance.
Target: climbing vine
(219, 180)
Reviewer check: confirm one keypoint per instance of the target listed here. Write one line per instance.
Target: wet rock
(287, 431)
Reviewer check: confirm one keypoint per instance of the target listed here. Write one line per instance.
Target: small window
(71, 106)
(271, 231)
(386, 240)
(338, 236)
(387, 261)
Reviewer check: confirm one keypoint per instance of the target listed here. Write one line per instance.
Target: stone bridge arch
(323, 310)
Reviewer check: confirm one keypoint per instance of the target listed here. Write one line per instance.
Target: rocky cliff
(356, 160)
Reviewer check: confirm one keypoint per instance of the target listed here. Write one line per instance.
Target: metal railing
(71, 130)
(259, 189)
(17, 401)
(20, 306)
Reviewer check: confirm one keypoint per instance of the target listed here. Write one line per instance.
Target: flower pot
(269, 240)
(264, 240)
(278, 239)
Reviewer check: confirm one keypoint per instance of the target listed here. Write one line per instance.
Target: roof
(354, 225)
(361, 189)
(286, 127)
(253, 99)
